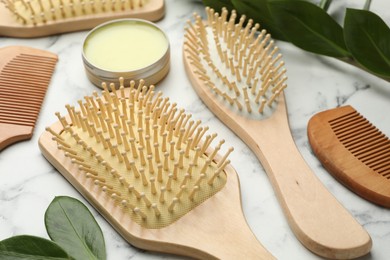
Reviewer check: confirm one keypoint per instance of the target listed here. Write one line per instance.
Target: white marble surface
(28, 182)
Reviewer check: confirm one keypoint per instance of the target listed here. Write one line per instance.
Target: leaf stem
(367, 5)
(354, 63)
(324, 4)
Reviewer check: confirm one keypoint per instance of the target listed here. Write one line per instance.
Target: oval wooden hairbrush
(149, 170)
(241, 79)
(35, 18)
(354, 151)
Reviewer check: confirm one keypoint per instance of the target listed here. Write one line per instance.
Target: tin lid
(116, 48)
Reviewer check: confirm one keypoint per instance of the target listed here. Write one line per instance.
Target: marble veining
(28, 182)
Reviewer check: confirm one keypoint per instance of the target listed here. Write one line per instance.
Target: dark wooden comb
(25, 74)
(354, 151)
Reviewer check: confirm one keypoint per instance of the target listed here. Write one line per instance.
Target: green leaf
(259, 11)
(30, 247)
(71, 225)
(368, 38)
(309, 27)
(218, 4)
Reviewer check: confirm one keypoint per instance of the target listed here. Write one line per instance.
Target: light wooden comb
(25, 74)
(34, 18)
(140, 161)
(241, 79)
(354, 151)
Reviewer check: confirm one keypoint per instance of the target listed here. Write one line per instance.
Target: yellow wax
(125, 46)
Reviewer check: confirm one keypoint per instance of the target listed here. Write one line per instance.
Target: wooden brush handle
(223, 235)
(10, 134)
(318, 220)
(215, 229)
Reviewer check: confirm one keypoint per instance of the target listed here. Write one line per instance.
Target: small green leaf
(218, 4)
(309, 27)
(31, 247)
(71, 225)
(258, 11)
(368, 38)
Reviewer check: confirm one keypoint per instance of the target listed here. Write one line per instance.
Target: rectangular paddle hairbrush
(36, 18)
(25, 74)
(354, 151)
(152, 172)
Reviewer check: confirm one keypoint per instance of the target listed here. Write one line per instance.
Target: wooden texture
(354, 151)
(318, 220)
(215, 229)
(25, 74)
(153, 10)
(10, 134)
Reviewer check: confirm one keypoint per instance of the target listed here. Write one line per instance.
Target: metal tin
(152, 73)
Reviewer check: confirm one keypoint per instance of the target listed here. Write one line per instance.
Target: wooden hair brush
(34, 18)
(354, 151)
(149, 170)
(241, 78)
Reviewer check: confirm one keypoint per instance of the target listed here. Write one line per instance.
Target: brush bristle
(144, 152)
(35, 12)
(364, 141)
(241, 68)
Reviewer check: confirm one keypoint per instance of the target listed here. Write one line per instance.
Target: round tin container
(130, 48)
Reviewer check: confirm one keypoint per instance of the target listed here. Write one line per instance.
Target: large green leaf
(368, 38)
(258, 11)
(218, 4)
(30, 248)
(309, 27)
(71, 225)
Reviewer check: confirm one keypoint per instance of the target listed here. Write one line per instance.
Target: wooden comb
(354, 151)
(25, 74)
(35, 18)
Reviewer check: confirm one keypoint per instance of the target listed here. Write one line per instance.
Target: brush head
(35, 12)
(141, 150)
(33, 18)
(149, 169)
(240, 64)
(354, 151)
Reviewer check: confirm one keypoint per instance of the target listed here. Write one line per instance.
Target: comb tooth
(356, 132)
(23, 105)
(349, 122)
(20, 68)
(368, 133)
(374, 155)
(375, 138)
(348, 128)
(369, 160)
(30, 84)
(366, 151)
(381, 163)
(17, 114)
(32, 91)
(341, 119)
(26, 57)
(10, 111)
(17, 121)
